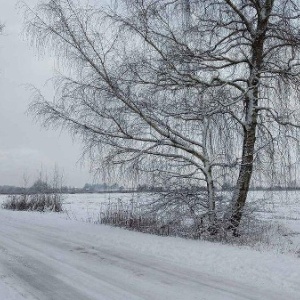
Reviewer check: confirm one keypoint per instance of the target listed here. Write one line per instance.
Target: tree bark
(251, 112)
(246, 168)
(211, 202)
(243, 182)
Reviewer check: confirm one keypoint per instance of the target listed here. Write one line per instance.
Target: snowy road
(44, 257)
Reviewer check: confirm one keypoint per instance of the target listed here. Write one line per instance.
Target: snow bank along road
(47, 257)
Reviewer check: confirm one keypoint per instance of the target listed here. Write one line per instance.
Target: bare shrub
(134, 215)
(169, 217)
(41, 196)
(35, 202)
(161, 217)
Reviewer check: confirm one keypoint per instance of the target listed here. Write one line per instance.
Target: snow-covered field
(280, 211)
(57, 256)
(86, 207)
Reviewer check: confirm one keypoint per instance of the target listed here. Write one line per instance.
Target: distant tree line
(43, 187)
(94, 188)
(40, 186)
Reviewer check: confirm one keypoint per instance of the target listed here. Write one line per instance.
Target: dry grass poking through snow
(35, 202)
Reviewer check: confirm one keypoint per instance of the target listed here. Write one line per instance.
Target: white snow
(281, 210)
(86, 207)
(49, 256)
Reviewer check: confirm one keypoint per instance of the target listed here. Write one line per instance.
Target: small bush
(34, 202)
(143, 217)
(176, 221)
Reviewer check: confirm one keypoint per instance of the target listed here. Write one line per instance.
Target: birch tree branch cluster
(186, 93)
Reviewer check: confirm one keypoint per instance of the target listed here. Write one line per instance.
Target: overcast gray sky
(24, 145)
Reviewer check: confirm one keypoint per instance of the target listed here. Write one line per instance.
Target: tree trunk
(211, 202)
(251, 103)
(243, 182)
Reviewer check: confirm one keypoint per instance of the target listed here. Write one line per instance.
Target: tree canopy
(186, 93)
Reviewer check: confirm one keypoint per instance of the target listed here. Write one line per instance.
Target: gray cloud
(24, 146)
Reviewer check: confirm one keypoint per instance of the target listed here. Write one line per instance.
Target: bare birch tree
(183, 90)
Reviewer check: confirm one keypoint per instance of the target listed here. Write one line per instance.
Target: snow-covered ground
(87, 207)
(280, 212)
(54, 256)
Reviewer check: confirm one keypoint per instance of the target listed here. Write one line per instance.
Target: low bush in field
(147, 218)
(34, 202)
(176, 221)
